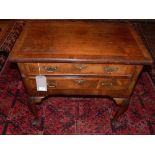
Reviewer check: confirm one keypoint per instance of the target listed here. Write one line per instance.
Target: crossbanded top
(79, 40)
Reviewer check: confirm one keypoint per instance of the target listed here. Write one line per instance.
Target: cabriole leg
(123, 103)
(32, 106)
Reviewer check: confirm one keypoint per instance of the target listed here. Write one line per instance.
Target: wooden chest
(80, 57)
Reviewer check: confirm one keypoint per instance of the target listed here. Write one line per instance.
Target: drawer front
(79, 69)
(82, 83)
(68, 83)
(114, 84)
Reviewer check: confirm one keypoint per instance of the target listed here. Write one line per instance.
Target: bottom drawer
(81, 83)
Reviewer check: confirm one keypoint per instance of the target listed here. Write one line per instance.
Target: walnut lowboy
(116, 81)
(80, 58)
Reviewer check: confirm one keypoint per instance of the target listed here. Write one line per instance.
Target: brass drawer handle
(51, 69)
(80, 66)
(106, 84)
(80, 81)
(51, 84)
(109, 69)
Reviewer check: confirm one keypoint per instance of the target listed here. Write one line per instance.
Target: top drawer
(77, 69)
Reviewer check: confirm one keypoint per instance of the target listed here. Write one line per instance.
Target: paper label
(41, 83)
